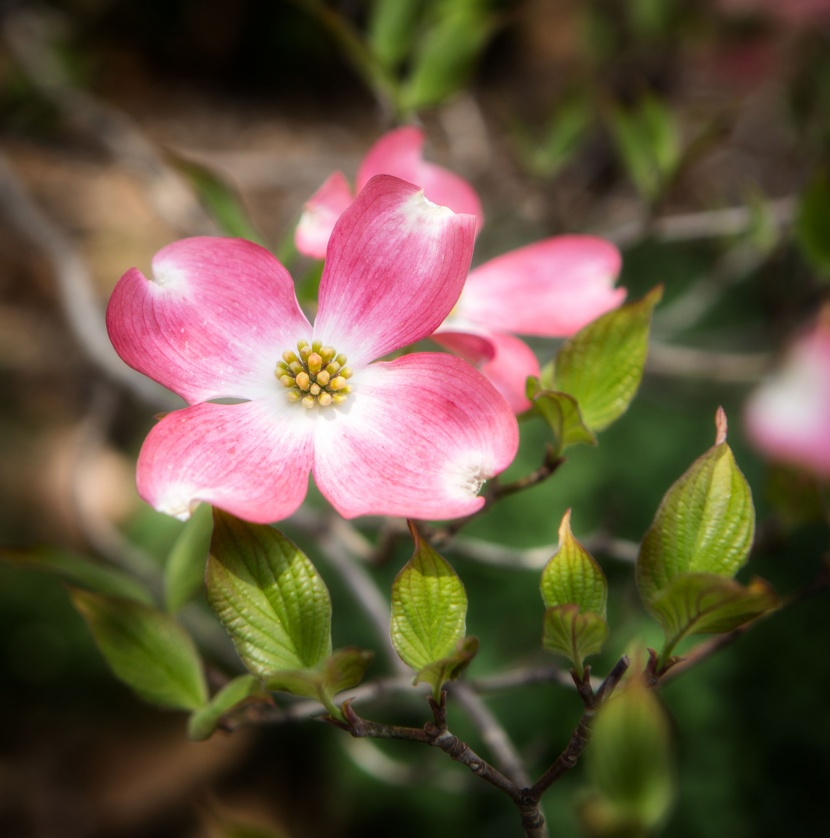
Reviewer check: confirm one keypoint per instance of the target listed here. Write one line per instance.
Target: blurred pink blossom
(788, 415)
(219, 319)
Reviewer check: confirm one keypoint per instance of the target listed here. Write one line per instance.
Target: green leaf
(184, 571)
(450, 667)
(561, 412)
(203, 722)
(572, 576)
(705, 603)
(392, 29)
(705, 523)
(563, 137)
(648, 142)
(630, 759)
(429, 608)
(219, 198)
(146, 648)
(340, 671)
(80, 571)
(268, 596)
(601, 366)
(812, 226)
(446, 53)
(574, 634)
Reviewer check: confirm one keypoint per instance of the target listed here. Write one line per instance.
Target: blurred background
(693, 134)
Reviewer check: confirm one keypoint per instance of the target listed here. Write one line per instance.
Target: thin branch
(691, 362)
(81, 308)
(361, 585)
(492, 732)
(709, 224)
(27, 35)
(579, 738)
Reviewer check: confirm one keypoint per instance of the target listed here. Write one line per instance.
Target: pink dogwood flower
(415, 436)
(396, 153)
(788, 415)
(548, 289)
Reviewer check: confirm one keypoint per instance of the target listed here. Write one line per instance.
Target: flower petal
(320, 213)
(212, 322)
(788, 416)
(250, 459)
(419, 437)
(508, 366)
(400, 153)
(396, 264)
(551, 288)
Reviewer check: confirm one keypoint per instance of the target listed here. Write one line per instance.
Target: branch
(579, 738)
(81, 308)
(709, 224)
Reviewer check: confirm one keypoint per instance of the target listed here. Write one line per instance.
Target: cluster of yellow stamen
(314, 374)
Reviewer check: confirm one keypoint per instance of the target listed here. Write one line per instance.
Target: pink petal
(395, 267)
(419, 437)
(788, 416)
(250, 459)
(508, 366)
(400, 153)
(212, 322)
(552, 288)
(320, 213)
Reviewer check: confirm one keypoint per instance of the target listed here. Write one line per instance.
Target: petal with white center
(400, 153)
(551, 288)
(418, 438)
(396, 264)
(320, 213)
(250, 459)
(212, 322)
(507, 365)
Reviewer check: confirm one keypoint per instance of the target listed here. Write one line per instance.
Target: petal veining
(419, 438)
(250, 459)
(213, 321)
(396, 264)
(551, 288)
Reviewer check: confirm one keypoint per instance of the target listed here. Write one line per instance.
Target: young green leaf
(268, 596)
(220, 199)
(392, 29)
(705, 603)
(340, 671)
(80, 571)
(146, 648)
(429, 608)
(561, 412)
(572, 576)
(184, 571)
(203, 722)
(574, 634)
(446, 53)
(450, 667)
(705, 522)
(630, 760)
(601, 366)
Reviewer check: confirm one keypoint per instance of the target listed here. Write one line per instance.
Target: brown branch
(579, 738)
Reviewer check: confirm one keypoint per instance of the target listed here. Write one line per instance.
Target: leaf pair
(575, 592)
(429, 614)
(700, 537)
(595, 375)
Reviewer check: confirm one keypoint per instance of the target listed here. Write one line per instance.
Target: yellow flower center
(314, 374)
